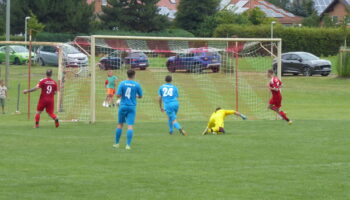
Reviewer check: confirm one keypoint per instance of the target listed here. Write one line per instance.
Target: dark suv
(303, 63)
(117, 58)
(196, 60)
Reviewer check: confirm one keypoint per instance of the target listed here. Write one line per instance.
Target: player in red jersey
(275, 86)
(46, 101)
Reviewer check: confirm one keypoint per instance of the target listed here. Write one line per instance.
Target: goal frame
(93, 57)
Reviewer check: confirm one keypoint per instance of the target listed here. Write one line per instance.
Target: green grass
(254, 160)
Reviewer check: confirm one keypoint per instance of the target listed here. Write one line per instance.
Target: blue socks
(118, 133)
(171, 126)
(129, 135)
(177, 125)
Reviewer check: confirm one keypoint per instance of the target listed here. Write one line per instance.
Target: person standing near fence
(3, 95)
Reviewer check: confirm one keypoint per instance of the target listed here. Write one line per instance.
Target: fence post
(18, 96)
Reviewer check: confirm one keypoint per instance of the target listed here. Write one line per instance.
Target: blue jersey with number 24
(129, 90)
(169, 93)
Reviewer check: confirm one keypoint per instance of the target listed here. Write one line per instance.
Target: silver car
(72, 57)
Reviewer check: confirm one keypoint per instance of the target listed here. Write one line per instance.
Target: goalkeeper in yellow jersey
(216, 121)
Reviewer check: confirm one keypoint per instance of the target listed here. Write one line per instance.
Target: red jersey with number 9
(48, 89)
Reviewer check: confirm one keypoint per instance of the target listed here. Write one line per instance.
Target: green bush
(12, 38)
(54, 37)
(165, 33)
(319, 41)
(343, 65)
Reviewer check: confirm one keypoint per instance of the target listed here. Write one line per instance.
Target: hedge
(66, 37)
(54, 37)
(165, 33)
(343, 65)
(319, 41)
(12, 38)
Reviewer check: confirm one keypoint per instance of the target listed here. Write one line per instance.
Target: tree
(35, 25)
(73, 16)
(304, 8)
(251, 17)
(137, 15)
(206, 29)
(284, 4)
(2, 18)
(191, 14)
(311, 21)
(257, 17)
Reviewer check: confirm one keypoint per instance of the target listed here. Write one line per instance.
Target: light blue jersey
(129, 90)
(169, 93)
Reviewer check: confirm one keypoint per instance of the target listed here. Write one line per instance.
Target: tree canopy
(136, 15)
(191, 14)
(2, 18)
(73, 16)
(251, 17)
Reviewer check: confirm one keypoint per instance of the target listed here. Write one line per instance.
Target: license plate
(142, 64)
(214, 60)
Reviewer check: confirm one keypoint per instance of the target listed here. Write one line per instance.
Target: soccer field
(254, 160)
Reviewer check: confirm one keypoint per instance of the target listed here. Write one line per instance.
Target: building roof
(333, 3)
(170, 4)
(169, 8)
(270, 10)
(321, 5)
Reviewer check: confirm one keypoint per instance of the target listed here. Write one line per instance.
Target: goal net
(209, 73)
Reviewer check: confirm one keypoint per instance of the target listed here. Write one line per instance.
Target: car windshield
(209, 54)
(308, 56)
(115, 54)
(70, 49)
(138, 54)
(19, 49)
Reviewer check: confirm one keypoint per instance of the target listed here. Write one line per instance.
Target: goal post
(209, 72)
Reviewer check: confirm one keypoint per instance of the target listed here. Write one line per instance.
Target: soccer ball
(118, 102)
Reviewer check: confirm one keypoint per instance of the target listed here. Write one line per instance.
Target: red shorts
(45, 104)
(276, 101)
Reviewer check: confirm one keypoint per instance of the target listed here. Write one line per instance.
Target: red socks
(53, 116)
(37, 118)
(284, 116)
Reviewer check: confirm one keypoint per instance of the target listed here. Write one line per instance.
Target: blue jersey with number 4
(169, 93)
(129, 90)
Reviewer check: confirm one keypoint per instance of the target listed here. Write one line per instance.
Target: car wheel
(17, 61)
(295, 74)
(142, 68)
(325, 74)
(215, 69)
(307, 71)
(171, 67)
(41, 62)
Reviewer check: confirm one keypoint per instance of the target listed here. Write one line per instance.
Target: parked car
(117, 58)
(196, 60)
(18, 54)
(72, 57)
(303, 63)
